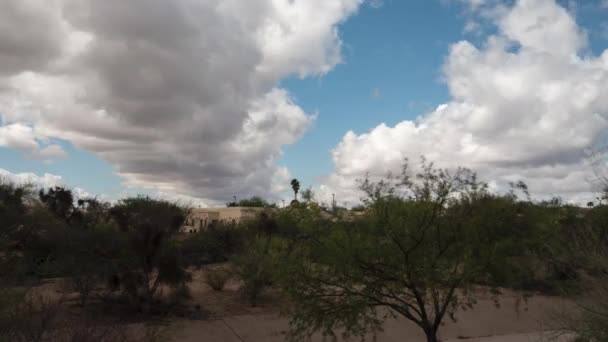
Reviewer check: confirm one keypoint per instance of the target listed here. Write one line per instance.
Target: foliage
(255, 268)
(217, 277)
(216, 244)
(30, 317)
(295, 186)
(254, 201)
(308, 195)
(156, 259)
(425, 244)
(14, 224)
(59, 201)
(582, 248)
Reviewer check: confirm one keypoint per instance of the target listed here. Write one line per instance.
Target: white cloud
(523, 107)
(23, 137)
(50, 152)
(44, 181)
(29, 178)
(180, 96)
(472, 27)
(280, 180)
(18, 136)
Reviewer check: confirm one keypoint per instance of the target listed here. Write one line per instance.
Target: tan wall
(203, 217)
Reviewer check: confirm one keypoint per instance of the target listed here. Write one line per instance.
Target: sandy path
(485, 323)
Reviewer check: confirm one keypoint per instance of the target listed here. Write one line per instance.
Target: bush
(215, 245)
(154, 258)
(83, 285)
(28, 316)
(217, 277)
(254, 267)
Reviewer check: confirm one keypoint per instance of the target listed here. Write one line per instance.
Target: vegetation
(254, 268)
(422, 246)
(425, 245)
(582, 249)
(254, 201)
(150, 227)
(295, 186)
(217, 277)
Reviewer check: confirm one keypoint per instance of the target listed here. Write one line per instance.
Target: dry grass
(217, 277)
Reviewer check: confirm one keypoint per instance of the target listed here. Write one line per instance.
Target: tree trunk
(431, 335)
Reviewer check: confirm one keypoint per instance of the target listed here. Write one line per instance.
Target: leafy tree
(255, 268)
(151, 226)
(295, 186)
(254, 201)
(582, 249)
(59, 201)
(419, 253)
(14, 228)
(308, 195)
(216, 244)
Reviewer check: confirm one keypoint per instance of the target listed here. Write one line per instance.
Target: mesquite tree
(423, 246)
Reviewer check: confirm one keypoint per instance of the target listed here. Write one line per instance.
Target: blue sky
(391, 71)
(397, 49)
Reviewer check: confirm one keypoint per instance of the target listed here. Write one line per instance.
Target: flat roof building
(202, 218)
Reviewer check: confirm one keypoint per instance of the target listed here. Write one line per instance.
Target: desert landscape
(303, 170)
(231, 320)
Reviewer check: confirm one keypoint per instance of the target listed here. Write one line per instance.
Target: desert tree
(580, 245)
(308, 195)
(59, 201)
(420, 251)
(151, 226)
(254, 201)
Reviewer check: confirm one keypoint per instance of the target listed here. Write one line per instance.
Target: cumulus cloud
(23, 137)
(180, 96)
(525, 106)
(49, 152)
(44, 181)
(29, 178)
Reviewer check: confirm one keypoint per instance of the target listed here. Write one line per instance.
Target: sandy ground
(227, 317)
(230, 319)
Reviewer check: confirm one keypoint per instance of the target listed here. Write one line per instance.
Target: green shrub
(215, 245)
(254, 267)
(217, 277)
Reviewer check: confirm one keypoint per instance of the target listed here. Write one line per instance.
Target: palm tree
(295, 185)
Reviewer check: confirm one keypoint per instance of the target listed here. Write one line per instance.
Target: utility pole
(283, 203)
(234, 200)
(333, 200)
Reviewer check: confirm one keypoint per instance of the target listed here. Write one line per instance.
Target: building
(203, 218)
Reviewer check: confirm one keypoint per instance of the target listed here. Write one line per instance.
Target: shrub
(84, 285)
(155, 259)
(28, 316)
(215, 245)
(217, 277)
(254, 267)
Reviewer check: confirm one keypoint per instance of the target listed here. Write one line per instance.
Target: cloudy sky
(202, 100)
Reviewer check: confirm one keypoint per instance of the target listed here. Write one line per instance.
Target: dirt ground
(225, 316)
(229, 318)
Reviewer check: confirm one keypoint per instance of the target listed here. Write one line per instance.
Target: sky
(203, 100)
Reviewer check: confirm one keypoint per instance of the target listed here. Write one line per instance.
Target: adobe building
(203, 218)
